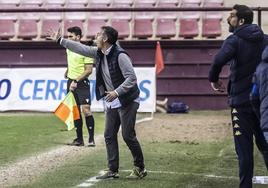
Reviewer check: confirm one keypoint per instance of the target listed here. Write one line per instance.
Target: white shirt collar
(107, 51)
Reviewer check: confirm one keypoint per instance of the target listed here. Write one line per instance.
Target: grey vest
(116, 76)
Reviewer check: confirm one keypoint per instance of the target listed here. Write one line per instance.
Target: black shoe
(91, 144)
(76, 142)
(108, 175)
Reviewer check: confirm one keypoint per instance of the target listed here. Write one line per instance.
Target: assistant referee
(79, 68)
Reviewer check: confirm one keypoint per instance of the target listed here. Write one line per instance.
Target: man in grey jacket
(116, 82)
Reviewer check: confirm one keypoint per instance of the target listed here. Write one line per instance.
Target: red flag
(159, 62)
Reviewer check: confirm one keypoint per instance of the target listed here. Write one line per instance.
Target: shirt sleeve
(225, 54)
(79, 48)
(88, 60)
(127, 70)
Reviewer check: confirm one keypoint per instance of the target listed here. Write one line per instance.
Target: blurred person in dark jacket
(259, 93)
(242, 49)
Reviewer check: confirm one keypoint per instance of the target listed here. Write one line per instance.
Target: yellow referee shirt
(76, 64)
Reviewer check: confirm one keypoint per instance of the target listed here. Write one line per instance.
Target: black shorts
(82, 92)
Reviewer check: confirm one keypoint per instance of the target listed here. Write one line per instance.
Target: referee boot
(77, 142)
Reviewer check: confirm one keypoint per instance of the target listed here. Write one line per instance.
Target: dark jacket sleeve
(225, 54)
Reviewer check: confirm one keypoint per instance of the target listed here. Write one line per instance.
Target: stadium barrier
(42, 89)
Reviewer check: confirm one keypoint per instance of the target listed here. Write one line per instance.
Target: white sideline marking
(145, 119)
(91, 181)
(187, 173)
(260, 180)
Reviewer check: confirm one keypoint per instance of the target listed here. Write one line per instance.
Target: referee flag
(68, 111)
(159, 62)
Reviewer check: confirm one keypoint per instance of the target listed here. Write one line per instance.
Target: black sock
(79, 132)
(90, 127)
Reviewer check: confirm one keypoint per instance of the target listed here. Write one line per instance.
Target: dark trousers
(245, 125)
(126, 116)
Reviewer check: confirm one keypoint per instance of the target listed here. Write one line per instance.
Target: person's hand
(110, 96)
(218, 86)
(73, 86)
(54, 35)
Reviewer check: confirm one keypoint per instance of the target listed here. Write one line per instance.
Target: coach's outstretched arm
(77, 47)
